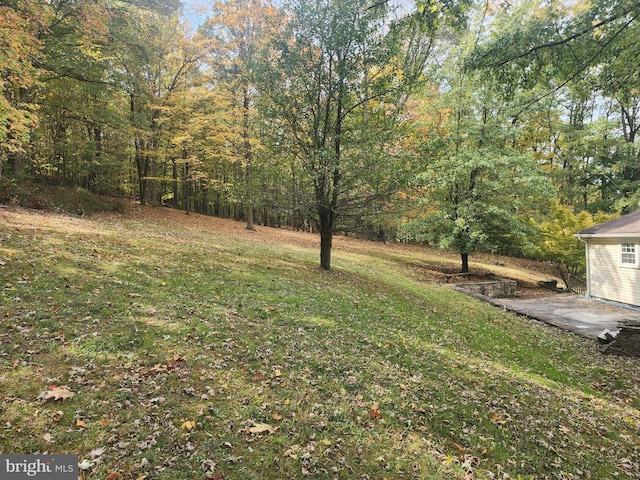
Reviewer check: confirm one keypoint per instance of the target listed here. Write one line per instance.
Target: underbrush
(74, 201)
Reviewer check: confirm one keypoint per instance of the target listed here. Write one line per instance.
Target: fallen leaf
(47, 437)
(57, 393)
(96, 453)
(157, 368)
(215, 476)
(292, 452)
(175, 362)
(188, 425)
(85, 464)
(262, 428)
(374, 412)
(56, 416)
(276, 416)
(81, 423)
(497, 419)
(277, 372)
(112, 476)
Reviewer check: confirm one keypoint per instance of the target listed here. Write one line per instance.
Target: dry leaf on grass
(85, 464)
(171, 364)
(258, 428)
(188, 425)
(96, 452)
(57, 393)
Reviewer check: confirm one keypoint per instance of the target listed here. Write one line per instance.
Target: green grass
(154, 324)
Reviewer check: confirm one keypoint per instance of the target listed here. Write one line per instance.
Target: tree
(478, 190)
(578, 56)
(239, 30)
(338, 75)
(572, 37)
(559, 245)
(155, 60)
(20, 23)
(477, 199)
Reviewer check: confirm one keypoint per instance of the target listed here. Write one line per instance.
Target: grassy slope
(365, 370)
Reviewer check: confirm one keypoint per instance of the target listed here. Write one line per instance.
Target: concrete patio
(586, 317)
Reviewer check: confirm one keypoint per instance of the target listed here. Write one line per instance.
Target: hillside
(196, 349)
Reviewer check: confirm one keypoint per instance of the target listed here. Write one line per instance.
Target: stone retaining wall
(627, 342)
(493, 289)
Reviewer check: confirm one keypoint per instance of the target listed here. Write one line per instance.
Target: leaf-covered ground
(196, 349)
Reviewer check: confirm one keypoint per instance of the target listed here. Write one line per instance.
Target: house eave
(581, 236)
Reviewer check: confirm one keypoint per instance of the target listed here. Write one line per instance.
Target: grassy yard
(199, 350)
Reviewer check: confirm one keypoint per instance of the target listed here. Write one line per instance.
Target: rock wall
(493, 289)
(627, 342)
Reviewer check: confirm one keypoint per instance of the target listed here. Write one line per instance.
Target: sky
(195, 11)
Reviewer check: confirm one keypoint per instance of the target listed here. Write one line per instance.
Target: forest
(497, 126)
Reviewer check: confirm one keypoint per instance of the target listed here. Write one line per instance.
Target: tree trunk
(248, 154)
(153, 186)
(187, 189)
(326, 242)
(142, 165)
(250, 217)
(18, 163)
(465, 262)
(175, 182)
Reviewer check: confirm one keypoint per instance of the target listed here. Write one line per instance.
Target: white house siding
(607, 279)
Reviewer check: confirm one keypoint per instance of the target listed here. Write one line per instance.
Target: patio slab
(571, 312)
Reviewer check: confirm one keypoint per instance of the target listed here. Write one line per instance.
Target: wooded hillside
(470, 125)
